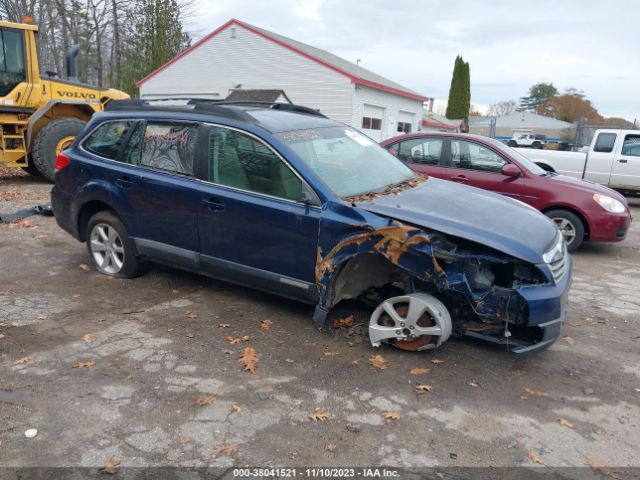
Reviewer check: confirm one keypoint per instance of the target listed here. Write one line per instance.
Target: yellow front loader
(40, 117)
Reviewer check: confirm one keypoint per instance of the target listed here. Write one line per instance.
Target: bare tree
(501, 109)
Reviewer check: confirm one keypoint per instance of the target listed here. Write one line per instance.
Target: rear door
(473, 164)
(625, 171)
(424, 155)
(254, 228)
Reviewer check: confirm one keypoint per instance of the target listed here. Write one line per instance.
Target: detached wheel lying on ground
(112, 250)
(570, 226)
(52, 139)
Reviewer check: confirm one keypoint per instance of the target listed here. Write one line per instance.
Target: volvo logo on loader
(80, 95)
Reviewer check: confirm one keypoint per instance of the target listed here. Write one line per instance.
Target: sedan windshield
(524, 161)
(347, 161)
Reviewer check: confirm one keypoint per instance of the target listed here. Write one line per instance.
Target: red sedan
(582, 210)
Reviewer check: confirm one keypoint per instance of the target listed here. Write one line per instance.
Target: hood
(586, 186)
(484, 217)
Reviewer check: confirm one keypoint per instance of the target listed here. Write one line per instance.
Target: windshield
(346, 160)
(524, 161)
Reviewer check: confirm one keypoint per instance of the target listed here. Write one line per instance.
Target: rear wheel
(112, 250)
(570, 226)
(52, 139)
(512, 143)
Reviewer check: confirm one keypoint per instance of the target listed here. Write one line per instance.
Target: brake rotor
(417, 343)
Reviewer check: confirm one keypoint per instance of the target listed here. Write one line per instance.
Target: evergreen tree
(459, 102)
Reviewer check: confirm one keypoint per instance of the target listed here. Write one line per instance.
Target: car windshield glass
(346, 160)
(524, 161)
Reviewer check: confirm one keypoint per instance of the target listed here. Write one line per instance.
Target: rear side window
(605, 142)
(107, 139)
(169, 147)
(631, 145)
(425, 151)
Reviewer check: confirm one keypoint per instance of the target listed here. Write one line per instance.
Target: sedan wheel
(570, 226)
(107, 249)
(567, 229)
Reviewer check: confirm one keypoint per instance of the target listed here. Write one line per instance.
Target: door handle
(460, 178)
(623, 160)
(124, 182)
(213, 204)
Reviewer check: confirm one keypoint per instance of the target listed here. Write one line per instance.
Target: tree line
(121, 41)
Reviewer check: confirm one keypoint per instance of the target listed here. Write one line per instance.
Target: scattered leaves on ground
(535, 458)
(226, 449)
(23, 360)
(204, 400)
(237, 340)
(266, 324)
(378, 362)
(224, 325)
(249, 358)
(537, 393)
(391, 415)
(423, 388)
(319, 415)
(419, 371)
(473, 384)
(331, 448)
(602, 468)
(569, 340)
(85, 364)
(436, 361)
(564, 423)
(236, 408)
(21, 224)
(191, 315)
(518, 368)
(89, 337)
(85, 267)
(110, 466)
(344, 322)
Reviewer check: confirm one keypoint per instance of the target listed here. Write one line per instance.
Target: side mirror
(510, 170)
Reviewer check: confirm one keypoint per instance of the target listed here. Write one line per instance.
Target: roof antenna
(358, 61)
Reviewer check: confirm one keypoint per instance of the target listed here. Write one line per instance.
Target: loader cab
(12, 60)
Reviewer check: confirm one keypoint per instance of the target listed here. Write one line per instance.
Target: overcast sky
(590, 45)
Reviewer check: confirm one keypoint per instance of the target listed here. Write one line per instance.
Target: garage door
(372, 118)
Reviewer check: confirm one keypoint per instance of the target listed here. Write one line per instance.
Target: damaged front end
(427, 286)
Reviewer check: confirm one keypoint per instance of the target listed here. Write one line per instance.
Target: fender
(48, 107)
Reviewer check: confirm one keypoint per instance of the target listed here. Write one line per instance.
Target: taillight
(62, 161)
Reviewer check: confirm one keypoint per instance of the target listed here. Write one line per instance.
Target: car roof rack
(286, 107)
(201, 107)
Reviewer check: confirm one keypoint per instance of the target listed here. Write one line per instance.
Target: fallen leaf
(188, 335)
(344, 322)
(205, 400)
(237, 340)
(23, 360)
(436, 361)
(355, 362)
(535, 458)
(473, 384)
(85, 267)
(289, 360)
(391, 415)
(331, 354)
(599, 431)
(331, 448)
(569, 340)
(565, 423)
(76, 295)
(190, 314)
(319, 415)
(518, 368)
(378, 362)
(226, 449)
(175, 291)
(227, 352)
(236, 408)
(423, 388)
(537, 393)
(184, 440)
(89, 337)
(249, 358)
(41, 317)
(110, 466)
(85, 364)
(419, 371)
(266, 324)
(602, 468)
(224, 325)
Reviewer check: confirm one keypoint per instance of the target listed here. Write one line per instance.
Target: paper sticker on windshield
(358, 137)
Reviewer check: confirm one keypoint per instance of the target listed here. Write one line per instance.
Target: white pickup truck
(613, 159)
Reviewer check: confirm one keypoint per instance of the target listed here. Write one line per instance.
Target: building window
(404, 127)
(371, 123)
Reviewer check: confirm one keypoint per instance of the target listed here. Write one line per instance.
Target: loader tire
(51, 138)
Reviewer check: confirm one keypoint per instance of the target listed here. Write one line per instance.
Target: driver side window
(471, 156)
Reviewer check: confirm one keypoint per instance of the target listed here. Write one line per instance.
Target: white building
(538, 124)
(241, 56)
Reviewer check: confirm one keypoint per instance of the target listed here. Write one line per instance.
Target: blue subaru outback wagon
(282, 199)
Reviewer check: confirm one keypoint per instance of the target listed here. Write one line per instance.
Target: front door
(254, 228)
(625, 171)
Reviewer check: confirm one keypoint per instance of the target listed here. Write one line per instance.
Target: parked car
(526, 138)
(284, 200)
(581, 210)
(612, 159)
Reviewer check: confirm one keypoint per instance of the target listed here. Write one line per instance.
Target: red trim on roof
(427, 123)
(233, 21)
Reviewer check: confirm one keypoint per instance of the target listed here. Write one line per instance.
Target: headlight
(609, 204)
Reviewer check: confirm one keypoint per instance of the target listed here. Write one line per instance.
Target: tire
(32, 170)
(568, 221)
(512, 143)
(46, 142)
(106, 233)
(536, 145)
